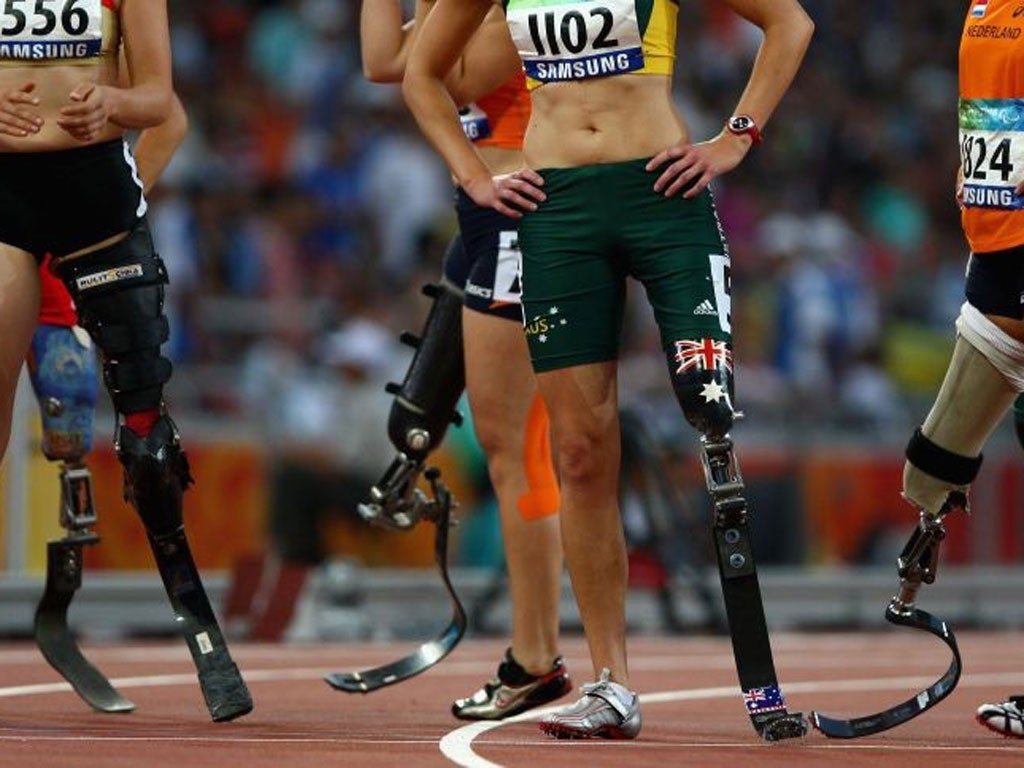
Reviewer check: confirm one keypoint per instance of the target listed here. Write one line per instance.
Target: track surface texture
(692, 710)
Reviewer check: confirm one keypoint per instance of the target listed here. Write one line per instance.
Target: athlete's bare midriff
(604, 120)
(53, 84)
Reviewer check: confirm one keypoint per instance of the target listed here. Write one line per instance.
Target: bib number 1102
(571, 32)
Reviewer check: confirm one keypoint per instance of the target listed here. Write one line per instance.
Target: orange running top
(992, 124)
(499, 119)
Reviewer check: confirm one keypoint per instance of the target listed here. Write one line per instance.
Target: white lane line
(457, 745)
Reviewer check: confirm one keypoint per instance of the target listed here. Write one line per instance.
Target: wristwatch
(744, 125)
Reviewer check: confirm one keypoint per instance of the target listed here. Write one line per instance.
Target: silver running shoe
(606, 711)
(1006, 718)
(514, 690)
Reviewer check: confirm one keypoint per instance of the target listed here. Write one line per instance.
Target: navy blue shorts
(995, 283)
(484, 258)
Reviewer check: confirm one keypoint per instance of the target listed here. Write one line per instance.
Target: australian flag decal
(760, 700)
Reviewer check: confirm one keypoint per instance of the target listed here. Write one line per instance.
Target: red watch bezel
(750, 130)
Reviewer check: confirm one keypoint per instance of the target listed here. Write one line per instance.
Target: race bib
(50, 29)
(475, 124)
(992, 152)
(576, 41)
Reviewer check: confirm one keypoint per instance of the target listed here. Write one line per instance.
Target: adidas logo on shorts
(705, 308)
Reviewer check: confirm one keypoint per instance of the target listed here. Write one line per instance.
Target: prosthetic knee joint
(118, 291)
(424, 405)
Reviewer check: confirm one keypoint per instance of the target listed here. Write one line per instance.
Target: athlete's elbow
(381, 73)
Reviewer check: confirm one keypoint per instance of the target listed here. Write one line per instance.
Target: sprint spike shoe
(1006, 718)
(607, 710)
(513, 690)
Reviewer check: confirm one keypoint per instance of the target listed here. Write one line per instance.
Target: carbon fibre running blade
(223, 687)
(838, 728)
(431, 652)
(420, 660)
(54, 637)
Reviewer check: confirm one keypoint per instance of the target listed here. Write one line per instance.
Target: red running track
(693, 714)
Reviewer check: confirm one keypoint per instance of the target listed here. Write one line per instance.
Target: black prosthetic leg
(742, 592)
(156, 475)
(703, 384)
(917, 565)
(63, 578)
(423, 408)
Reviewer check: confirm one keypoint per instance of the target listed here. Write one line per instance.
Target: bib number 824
(73, 19)
(974, 150)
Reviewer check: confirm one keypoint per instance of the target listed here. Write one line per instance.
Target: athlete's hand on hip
(510, 194)
(693, 166)
(88, 112)
(17, 114)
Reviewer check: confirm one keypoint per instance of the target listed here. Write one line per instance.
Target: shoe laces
(603, 690)
(601, 683)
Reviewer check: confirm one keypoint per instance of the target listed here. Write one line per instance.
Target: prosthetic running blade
(224, 690)
(431, 652)
(54, 637)
(837, 728)
(917, 564)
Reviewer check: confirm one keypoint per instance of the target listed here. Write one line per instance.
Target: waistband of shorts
(71, 154)
(597, 169)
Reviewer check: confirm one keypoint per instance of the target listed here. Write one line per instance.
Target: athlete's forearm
(440, 42)
(147, 54)
(489, 60)
(384, 40)
(157, 145)
(787, 33)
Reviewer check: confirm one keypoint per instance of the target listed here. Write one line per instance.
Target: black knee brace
(702, 381)
(156, 474)
(119, 295)
(425, 402)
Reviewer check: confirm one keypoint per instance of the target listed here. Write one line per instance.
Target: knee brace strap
(425, 402)
(1004, 352)
(118, 291)
(940, 463)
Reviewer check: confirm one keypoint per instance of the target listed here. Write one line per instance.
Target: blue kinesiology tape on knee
(64, 372)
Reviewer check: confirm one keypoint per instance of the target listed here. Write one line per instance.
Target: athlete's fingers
(1020, 189)
(81, 108)
(22, 97)
(82, 91)
(530, 175)
(684, 178)
(22, 117)
(12, 129)
(686, 164)
(503, 208)
(700, 184)
(673, 152)
(511, 196)
(523, 187)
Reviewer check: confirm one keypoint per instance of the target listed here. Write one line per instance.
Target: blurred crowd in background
(304, 212)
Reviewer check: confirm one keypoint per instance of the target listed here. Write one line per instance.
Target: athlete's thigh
(499, 378)
(19, 309)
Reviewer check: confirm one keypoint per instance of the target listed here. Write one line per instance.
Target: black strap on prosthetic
(431, 652)
(63, 578)
(118, 292)
(742, 592)
(945, 465)
(156, 476)
(916, 565)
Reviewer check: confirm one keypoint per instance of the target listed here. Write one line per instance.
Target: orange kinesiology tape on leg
(541, 498)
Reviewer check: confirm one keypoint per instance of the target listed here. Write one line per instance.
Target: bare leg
(583, 405)
(19, 312)
(501, 387)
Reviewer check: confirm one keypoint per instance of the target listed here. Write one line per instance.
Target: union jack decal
(704, 355)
